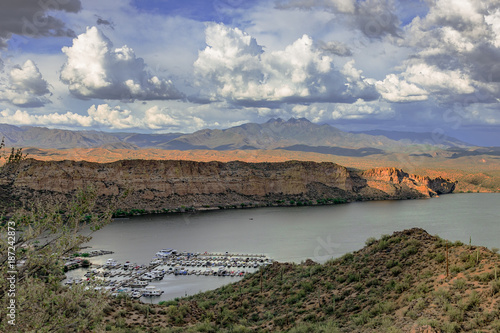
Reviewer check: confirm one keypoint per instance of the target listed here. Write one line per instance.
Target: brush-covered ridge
(394, 284)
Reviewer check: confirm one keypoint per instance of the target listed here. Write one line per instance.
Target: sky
(160, 66)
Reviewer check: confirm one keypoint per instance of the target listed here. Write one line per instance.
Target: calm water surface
(295, 233)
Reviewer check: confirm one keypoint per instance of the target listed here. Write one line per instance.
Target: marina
(135, 279)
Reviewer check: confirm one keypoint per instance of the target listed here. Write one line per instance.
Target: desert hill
(398, 283)
(294, 134)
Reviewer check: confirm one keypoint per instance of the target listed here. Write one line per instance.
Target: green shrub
(391, 263)
(460, 284)
(495, 287)
(410, 250)
(370, 241)
(396, 270)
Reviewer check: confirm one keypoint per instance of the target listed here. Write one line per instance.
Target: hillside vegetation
(395, 284)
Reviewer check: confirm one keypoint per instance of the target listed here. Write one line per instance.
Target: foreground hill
(395, 284)
(176, 185)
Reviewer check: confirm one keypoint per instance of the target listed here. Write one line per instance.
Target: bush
(391, 263)
(370, 241)
(495, 287)
(411, 250)
(396, 270)
(460, 284)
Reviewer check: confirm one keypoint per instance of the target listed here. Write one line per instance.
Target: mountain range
(294, 134)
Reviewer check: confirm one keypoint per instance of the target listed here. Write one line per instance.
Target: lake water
(295, 233)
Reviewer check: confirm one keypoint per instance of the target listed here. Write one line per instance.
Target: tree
(33, 241)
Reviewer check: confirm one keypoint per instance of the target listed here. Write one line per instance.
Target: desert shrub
(484, 277)
(460, 284)
(440, 258)
(396, 270)
(370, 241)
(391, 263)
(495, 287)
(410, 250)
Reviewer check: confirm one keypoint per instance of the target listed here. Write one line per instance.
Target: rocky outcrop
(396, 182)
(155, 185)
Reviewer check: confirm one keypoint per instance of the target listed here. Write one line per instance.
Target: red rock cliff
(170, 184)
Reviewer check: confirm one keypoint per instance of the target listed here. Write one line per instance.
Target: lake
(294, 233)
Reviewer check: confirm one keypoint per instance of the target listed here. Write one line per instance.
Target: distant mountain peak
(298, 120)
(275, 120)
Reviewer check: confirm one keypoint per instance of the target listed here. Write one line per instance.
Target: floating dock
(133, 279)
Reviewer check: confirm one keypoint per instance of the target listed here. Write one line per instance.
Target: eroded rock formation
(155, 185)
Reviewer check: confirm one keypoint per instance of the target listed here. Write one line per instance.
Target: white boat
(138, 284)
(155, 262)
(135, 294)
(147, 277)
(151, 291)
(110, 263)
(165, 253)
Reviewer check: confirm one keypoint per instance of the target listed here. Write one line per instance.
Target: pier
(133, 279)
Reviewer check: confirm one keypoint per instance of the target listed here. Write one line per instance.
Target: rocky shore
(167, 185)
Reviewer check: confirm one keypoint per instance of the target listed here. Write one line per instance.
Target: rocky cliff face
(396, 182)
(156, 185)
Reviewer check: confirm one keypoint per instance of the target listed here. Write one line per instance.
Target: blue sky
(180, 66)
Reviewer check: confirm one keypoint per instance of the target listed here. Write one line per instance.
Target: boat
(135, 294)
(110, 263)
(155, 262)
(138, 284)
(151, 291)
(165, 253)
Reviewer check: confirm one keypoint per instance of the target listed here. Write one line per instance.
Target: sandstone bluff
(159, 185)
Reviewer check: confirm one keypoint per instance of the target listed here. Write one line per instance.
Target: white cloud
(105, 116)
(421, 80)
(156, 118)
(328, 112)
(28, 78)
(362, 110)
(25, 86)
(395, 89)
(234, 67)
(457, 49)
(20, 117)
(112, 117)
(94, 69)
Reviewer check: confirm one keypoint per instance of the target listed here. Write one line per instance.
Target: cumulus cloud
(457, 49)
(328, 112)
(95, 69)
(234, 67)
(107, 117)
(362, 110)
(395, 89)
(25, 86)
(31, 18)
(374, 18)
(20, 117)
(421, 80)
